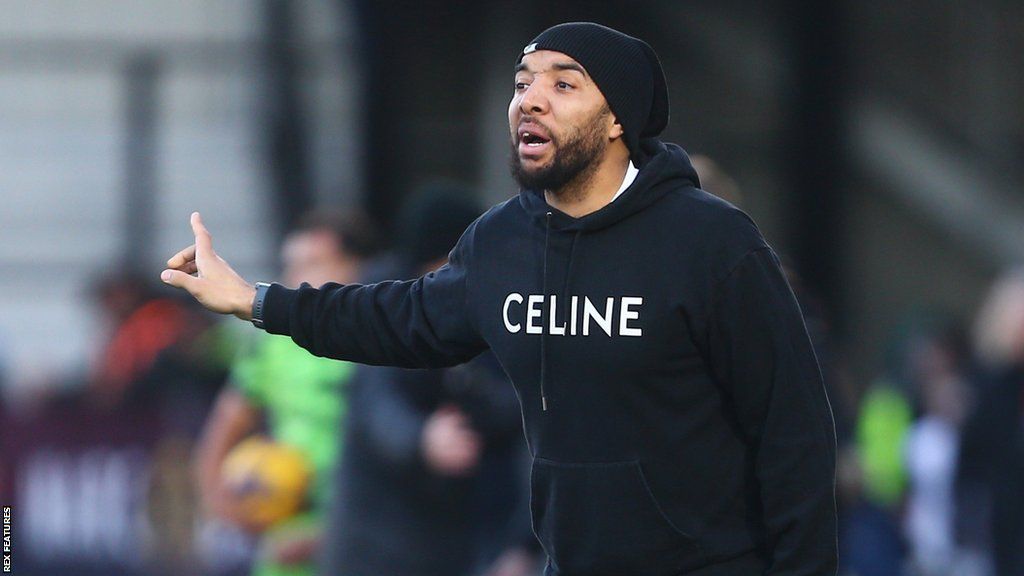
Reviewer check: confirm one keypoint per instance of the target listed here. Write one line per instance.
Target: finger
(183, 257)
(189, 268)
(179, 279)
(204, 242)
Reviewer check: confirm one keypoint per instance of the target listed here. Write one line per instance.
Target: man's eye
(520, 86)
(563, 85)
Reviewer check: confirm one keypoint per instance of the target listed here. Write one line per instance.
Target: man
(671, 399)
(299, 395)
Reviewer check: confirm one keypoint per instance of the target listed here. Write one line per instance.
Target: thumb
(179, 279)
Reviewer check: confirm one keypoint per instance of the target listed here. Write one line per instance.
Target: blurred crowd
(931, 450)
(932, 474)
(120, 470)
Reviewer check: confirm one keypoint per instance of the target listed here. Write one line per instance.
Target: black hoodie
(671, 398)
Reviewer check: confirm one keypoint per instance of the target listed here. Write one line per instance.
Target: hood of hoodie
(667, 167)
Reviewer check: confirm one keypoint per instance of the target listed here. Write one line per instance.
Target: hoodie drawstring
(544, 290)
(565, 303)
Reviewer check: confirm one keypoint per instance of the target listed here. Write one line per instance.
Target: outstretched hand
(207, 277)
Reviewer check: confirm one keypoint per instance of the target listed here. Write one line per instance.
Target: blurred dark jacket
(990, 483)
(392, 513)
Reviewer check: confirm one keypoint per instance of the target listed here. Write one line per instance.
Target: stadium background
(877, 143)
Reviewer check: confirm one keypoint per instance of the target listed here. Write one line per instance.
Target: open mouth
(533, 140)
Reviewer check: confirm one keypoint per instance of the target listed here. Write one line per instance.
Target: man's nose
(534, 101)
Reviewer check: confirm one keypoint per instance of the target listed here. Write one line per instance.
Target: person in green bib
(299, 397)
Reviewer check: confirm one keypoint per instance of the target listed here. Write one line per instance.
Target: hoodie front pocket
(602, 519)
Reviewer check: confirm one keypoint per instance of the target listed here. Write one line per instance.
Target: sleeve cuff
(276, 307)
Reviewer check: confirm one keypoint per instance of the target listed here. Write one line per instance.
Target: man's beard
(574, 161)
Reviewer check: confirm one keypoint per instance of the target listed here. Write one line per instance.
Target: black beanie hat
(625, 69)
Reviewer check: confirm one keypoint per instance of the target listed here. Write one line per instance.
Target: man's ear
(615, 131)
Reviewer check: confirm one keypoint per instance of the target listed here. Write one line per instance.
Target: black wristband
(257, 304)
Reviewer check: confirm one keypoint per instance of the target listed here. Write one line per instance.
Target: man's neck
(592, 191)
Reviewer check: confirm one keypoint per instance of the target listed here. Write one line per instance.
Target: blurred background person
(938, 370)
(159, 368)
(991, 464)
(301, 397)
(162, 353)
(873, 474)
(98, 458)
(142, 325)
(897, 482)
(433, 461)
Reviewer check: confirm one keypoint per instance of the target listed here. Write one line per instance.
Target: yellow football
(269, 479)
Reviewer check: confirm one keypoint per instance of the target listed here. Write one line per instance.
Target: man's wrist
(246, 301)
